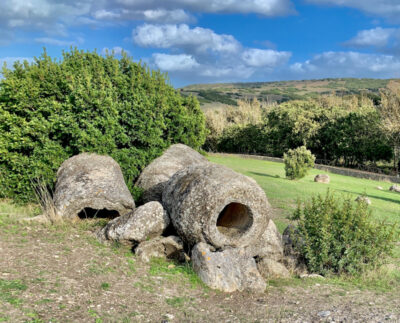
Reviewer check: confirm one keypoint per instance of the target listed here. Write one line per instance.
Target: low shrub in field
(53, 109)
(297, 162)
(339, 236)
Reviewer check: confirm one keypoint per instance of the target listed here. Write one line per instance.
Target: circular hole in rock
(234, 220)
(89, 213)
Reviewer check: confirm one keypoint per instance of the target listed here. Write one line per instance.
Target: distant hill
(229, 93)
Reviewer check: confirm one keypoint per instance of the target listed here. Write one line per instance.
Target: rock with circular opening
(154, 177)
(90, 185)
(213, 204)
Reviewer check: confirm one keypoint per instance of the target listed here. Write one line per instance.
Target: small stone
(269, 268)
(363, 199)
(147, 221)
(228, 271)
(322, 178)
(312, 276)
(395, 188)
(169, 316)
(161, 247)
(324, 313)
(379, 188)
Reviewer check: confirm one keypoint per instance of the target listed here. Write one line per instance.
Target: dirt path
(62, 274)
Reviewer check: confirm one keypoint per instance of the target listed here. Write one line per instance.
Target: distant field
(283, 194)
(229, 93)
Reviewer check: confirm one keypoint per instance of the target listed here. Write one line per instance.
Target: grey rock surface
(322, 178)
(228, 271)
(154, 177)
(147, 221)
(91, 181)
(395, 188)
(270, 268)
(363, 199)
(293, 260)
(269, 245)
(161, 247)
(213, 204)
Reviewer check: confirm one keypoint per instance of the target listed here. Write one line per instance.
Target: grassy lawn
(283, 193)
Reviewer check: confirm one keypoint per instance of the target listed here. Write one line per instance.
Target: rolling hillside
(229, 93)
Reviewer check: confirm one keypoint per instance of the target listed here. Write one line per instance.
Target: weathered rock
(269, 245)
(379, 188)
(91, 183)
(213, 204)
(269, 268)
(154, 177)
(363, 199)
(162, 247)
(293, 260)
(147, 221)
(229, 270)
(395, 188)
(322, 178)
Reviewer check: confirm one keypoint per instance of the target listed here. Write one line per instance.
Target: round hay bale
(90, 185)
(154, 177)
(213, 204)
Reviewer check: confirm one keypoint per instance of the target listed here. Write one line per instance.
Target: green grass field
(283, 193)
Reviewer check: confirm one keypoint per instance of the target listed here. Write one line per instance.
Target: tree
(53, 109)
(390, 115)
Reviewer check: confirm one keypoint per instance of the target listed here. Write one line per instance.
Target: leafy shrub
(340, 237)
(51, 110)
(297, 162)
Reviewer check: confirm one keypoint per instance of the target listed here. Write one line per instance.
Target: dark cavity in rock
(89, 213)
(234, 219)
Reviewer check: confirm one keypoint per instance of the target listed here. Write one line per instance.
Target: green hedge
(53, 109)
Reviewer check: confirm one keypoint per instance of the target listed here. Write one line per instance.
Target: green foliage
(214, 96)
(340, 237)
(298, 162)
(51, 110)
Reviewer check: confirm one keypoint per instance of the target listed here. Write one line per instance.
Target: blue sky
(215, 40)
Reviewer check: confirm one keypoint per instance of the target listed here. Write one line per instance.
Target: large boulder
(90, 185)
(213, 204)
(322, 178)
(228, 271)
(161, 247)
(147, 221)
(395, 188)
(270, 268)
(292, 243)
(154, 177)
(269, 245)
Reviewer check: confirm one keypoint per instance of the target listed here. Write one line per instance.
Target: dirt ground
(61, 274)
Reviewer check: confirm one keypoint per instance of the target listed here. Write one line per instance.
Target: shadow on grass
(372, 196)
(265, 175)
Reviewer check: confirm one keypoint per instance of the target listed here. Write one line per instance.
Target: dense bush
(51, 110)
(298, 162)
(341, 131)
(339, 236)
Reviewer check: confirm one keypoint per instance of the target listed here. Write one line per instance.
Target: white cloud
(193, 40)
(378, 37)
(263, 7)
(383, 8)
(264, 57)
(181, 62)
(117, 51)
(348, 64)
(203, 55)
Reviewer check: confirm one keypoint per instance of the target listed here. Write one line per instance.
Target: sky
(209, 41)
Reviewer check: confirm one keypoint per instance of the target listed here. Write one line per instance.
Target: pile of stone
(194, 210)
